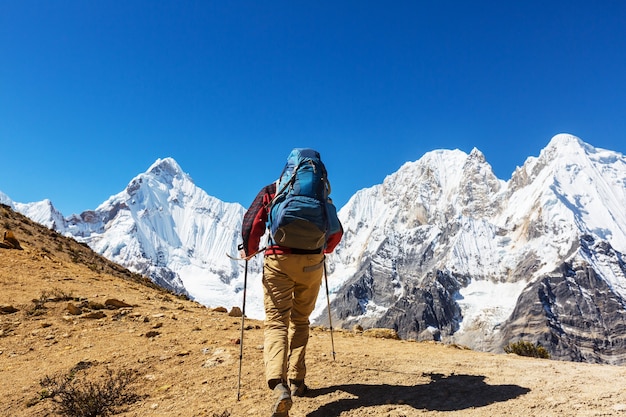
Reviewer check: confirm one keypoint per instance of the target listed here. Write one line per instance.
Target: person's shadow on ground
(442, 393)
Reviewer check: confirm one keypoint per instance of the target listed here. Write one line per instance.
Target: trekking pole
(243, 318)
(330, 319)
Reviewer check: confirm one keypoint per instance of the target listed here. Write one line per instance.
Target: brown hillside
(59, 318)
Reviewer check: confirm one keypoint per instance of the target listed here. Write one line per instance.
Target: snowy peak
(5, 199)
(166, 169)
(587, 183)
(569, 155)
(162, 175)
(478, 187)
(445, 183)
(43, 212)
(430, 181)
(564, 141)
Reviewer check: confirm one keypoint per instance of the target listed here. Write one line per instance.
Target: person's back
(303, 227)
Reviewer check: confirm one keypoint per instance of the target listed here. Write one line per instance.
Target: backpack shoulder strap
(287, 183)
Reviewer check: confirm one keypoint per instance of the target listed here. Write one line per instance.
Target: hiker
(293, 266)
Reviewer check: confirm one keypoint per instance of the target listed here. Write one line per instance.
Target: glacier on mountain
(442, 249)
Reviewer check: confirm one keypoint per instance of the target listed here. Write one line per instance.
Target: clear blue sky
(93, 92)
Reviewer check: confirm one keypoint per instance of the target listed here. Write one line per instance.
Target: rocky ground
(70, 317)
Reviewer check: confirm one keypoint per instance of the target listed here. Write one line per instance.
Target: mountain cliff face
(442, 249)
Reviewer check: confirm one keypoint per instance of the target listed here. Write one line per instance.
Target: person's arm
(253, 227)
(335, 227)
(333, 241)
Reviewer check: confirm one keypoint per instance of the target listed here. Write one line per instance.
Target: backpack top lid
(305, 174)
(300, 153)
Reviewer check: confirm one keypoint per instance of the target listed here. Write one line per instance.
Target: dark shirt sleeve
(255, 219)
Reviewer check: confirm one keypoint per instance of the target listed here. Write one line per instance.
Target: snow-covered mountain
(445, 250)
(442, 249)
(42, 212)
(163, 226)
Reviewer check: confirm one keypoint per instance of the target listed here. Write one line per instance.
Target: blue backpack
(301, 215)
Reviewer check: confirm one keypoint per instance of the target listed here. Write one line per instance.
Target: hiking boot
(283, 401)
(297, 387)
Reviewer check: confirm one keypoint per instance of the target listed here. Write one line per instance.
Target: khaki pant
(291, 284)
